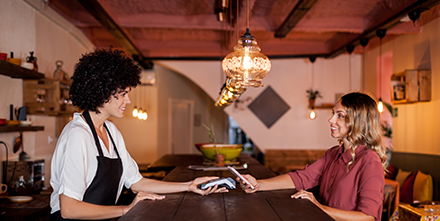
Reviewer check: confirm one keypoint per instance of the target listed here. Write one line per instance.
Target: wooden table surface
(234, 205)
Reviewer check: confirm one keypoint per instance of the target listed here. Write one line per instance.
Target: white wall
(290, 78)
(417, 125)
(26, 27)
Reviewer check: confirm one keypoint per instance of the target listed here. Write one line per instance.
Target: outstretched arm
(156, 186)
(275, 183)
(337, 214)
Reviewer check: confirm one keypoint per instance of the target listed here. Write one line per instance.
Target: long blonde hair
(363, 122)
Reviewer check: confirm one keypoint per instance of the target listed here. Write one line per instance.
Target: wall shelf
(323, 107)
(15, 71)
(18, 128)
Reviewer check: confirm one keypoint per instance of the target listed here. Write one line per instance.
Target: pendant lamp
(135, 112)
(246, 65)
(380, 33)
(350, 49)
(312, 114)
(363, 42)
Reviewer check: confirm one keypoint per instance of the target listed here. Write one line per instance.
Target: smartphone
(236, 173)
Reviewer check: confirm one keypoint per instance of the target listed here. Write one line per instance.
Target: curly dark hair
(101, 74)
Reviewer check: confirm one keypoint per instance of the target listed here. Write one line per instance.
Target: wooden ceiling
(209, 29)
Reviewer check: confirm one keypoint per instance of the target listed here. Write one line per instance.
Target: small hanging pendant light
(246, 64)
(380, 105)
(312, 114)
(135, 112)
(140, 114)
(380, 33)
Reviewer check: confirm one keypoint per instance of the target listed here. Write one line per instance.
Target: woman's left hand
(193, 186)
(302, 194)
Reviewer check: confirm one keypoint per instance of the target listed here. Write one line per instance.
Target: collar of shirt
(346, 155)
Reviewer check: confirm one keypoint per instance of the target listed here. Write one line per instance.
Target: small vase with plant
(312, 95)
(219, 158)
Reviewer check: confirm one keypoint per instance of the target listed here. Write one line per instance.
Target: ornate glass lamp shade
(246, 64)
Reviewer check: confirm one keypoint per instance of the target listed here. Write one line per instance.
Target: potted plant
(312, 95)
(219, 158)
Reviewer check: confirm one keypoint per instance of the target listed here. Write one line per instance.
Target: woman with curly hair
(350, 175)
(91, 164)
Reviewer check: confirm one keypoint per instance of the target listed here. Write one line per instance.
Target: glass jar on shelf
(60, 74)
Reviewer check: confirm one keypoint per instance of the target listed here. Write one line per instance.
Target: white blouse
(74, 162)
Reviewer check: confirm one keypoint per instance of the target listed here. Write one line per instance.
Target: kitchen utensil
(27, 65)
(21, 114)
(23, 155)
(17, 143)
(26, 123)
(20, 199)
(3, 188)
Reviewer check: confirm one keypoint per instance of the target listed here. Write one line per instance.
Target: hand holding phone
(236, 173)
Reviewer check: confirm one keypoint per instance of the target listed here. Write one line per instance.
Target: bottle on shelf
(33, 60)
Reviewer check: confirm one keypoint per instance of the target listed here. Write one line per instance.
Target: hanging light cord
(363, 64)
(380, 69)
(313, 73)
(247, 14)
(349, 73)
(236, 22)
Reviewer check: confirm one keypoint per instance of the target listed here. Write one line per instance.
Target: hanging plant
(313, 94)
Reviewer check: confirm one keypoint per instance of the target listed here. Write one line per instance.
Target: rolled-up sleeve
(309, 176)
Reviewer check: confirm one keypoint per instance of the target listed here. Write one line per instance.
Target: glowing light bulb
(380, 105)
(140, 114)
(135, 112)
(246, 59)
(312, 114)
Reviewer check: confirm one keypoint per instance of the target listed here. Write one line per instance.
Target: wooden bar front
(234, 205)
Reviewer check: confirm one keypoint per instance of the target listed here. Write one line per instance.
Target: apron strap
(113, 142)
(92, 127)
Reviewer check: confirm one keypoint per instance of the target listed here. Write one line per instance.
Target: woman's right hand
(141, 195)
(246, 187)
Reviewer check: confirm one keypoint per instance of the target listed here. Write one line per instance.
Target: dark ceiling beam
(389, 23)
(97, 11)
(215, 58)
(301, 8)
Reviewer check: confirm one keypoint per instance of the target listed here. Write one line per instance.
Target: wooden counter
(235, 205)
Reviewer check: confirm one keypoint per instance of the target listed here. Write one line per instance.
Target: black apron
(104, 187)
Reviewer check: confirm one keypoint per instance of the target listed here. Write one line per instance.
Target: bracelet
(122, 210)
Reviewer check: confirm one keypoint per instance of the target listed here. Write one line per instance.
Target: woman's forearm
(156, 186)
(74, 209)
(342, 215)
(276, 183)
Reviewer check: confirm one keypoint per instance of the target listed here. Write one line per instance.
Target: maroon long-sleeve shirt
(359, 189)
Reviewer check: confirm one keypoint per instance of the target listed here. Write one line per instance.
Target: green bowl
(231, 151)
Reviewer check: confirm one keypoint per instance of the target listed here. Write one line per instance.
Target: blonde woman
(350, 175)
